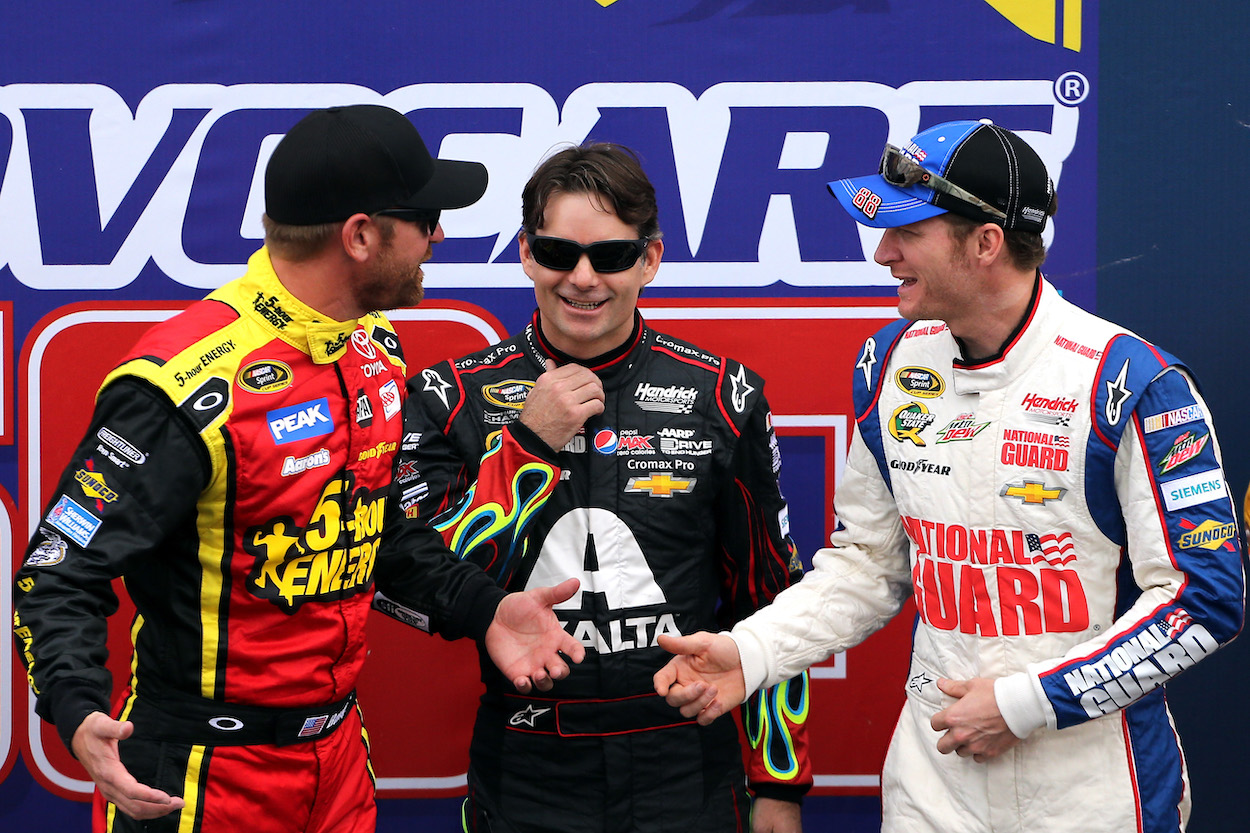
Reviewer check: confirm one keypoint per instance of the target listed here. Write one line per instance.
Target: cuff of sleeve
(782, 792)
(476, 604)
(69, 709)
(1019, 704)
(751, 654)
(531, 442)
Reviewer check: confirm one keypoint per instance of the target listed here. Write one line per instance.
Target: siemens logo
(1197, 488)
(94, 190)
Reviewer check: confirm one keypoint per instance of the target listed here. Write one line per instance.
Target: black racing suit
(668, 510)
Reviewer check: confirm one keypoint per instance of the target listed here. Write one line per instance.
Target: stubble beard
(390, 284)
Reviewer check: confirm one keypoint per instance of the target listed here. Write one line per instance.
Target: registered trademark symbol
(1071, 88)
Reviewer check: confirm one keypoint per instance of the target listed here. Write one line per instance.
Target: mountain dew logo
(1052, 21)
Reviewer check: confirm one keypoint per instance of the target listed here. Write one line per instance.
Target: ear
(654, 254)
(359, 237)
(988, 244)
(527, 259)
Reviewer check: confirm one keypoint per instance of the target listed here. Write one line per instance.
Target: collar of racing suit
(1036, 330)
(609, 366)
(291, 320)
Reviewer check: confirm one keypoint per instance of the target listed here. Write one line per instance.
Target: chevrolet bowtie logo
(1033, 491)
(661, 484)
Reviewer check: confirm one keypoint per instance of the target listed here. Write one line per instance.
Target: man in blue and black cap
(1048, 489)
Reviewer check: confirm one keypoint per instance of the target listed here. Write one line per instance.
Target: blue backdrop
(132, 139)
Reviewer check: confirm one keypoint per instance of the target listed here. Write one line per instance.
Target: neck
(319, 283)
(601, 359)
(984, 332)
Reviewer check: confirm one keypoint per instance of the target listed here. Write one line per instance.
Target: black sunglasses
(899, 169)
(605, 255)
(427, 219)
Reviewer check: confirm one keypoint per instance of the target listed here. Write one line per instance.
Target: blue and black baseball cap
(971, 168)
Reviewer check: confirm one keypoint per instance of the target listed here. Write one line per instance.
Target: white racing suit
(1060, 516)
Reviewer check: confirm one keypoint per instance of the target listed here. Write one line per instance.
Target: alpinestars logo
(527, 716)
(436, 384)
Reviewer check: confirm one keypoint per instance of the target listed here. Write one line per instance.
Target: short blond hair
(297, 243)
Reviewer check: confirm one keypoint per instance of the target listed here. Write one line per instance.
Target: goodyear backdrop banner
(133, 141)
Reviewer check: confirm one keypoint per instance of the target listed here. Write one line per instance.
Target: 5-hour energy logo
(330, 558)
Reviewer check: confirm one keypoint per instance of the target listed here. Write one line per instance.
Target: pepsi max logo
(606, 441)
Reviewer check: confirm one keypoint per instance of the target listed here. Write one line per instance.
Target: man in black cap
(236, 475)
(1045, 485)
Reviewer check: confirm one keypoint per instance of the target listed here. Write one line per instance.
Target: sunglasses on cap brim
(605, 255)
(901, 171)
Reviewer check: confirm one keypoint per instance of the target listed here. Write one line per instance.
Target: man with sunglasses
(590, 445)
(1044, 484)
(236, 474)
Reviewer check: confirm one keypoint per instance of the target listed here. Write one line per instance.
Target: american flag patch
(313, 725)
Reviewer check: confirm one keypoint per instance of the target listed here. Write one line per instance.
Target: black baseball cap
(360, 159)
(991, 164)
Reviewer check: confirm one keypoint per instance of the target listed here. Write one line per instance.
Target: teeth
(579, 305)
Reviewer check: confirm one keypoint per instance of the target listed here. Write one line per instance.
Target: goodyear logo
(510, 393)
(1208, 535)
(331, 557)
(920, 381)
(380, 450)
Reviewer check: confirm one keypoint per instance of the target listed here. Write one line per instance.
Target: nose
(887, 250)
(583, 275)
(438, 236)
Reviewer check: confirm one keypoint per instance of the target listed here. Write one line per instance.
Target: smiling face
(395, 279)
(933, 265)
(587, 313)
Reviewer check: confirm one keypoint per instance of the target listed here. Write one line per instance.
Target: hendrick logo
(673, 399)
